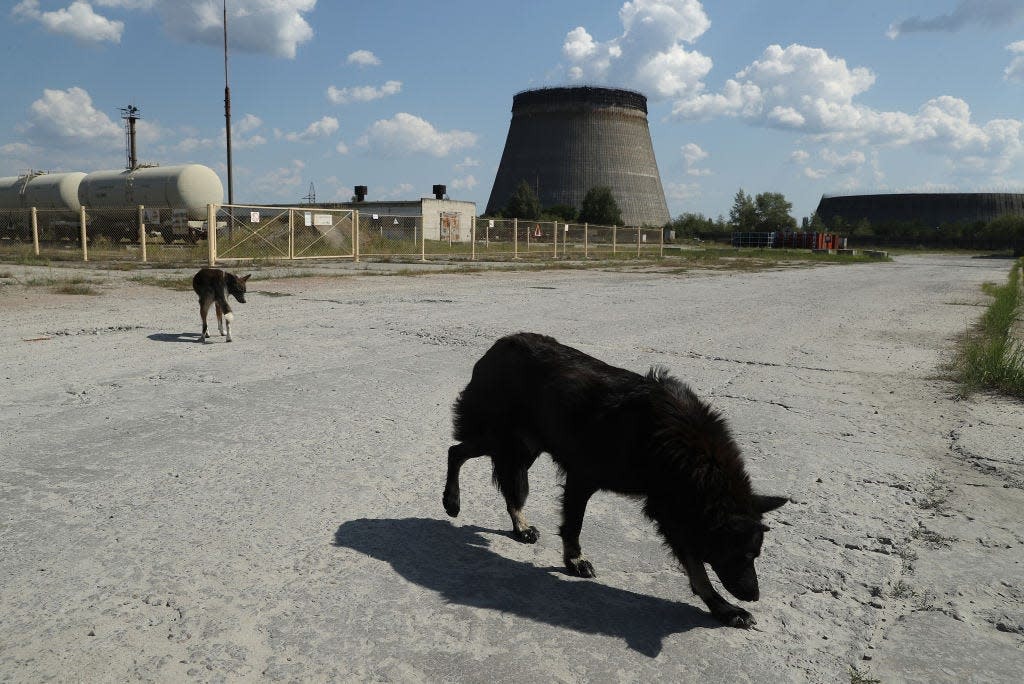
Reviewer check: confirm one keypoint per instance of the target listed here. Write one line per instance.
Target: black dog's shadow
(175, 337)
(457, 563)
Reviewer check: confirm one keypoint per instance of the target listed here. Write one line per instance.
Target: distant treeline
(1005, 232)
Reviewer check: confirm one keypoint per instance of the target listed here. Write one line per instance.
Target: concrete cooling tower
(565, 141)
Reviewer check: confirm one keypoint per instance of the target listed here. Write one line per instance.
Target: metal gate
(264, 232)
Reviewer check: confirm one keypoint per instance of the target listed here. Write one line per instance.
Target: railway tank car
(171, 195)
(41, 190)
(189, 187)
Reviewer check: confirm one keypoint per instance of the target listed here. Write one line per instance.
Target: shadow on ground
(457, 563)
(175, 337)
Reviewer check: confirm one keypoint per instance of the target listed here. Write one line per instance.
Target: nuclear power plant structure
(566, 141)
(927, 208)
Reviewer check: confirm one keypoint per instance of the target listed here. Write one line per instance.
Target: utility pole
(227, 106)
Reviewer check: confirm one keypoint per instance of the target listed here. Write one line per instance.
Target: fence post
(515, 238)
(355, 236)
(142, 233)
(85, 239)
(661, 248)
(423, 236)
(291, 233)
(35, 231)
(554, 230)
(639, 231)
(586, 240)
(472, 239)
(614, 238)
(211, 234)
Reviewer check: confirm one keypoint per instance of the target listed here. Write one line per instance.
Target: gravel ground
(270, 508)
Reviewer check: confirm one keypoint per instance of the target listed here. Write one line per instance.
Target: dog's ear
(245, 277)
(763, 504)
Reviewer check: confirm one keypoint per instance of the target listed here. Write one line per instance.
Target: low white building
(438, 219)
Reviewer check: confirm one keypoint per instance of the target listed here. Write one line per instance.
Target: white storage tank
(43, 191)
(190, 186)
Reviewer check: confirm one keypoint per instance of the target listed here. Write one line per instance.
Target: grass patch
(902, 590)
(989, 357)
(177, 284)
(75, 289)
(73, 285)
(931, 538)
(858, 677)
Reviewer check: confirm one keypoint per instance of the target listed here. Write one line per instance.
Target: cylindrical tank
(190, 186)
(566, 141)
(43, 191)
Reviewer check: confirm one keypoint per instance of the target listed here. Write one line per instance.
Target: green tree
(692, 225)
(599, 207)
(561, 212)
(743, 215)
(773, 212)
(523, 203)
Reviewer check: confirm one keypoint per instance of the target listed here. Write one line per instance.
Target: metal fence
(276, 233)
(266, 233)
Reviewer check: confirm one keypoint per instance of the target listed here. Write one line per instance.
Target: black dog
(213, 287)
(611, 429)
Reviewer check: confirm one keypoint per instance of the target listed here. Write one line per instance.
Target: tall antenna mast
(130, 114)
(227, 106)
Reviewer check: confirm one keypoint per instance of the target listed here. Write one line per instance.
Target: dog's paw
(530, 535)
(734, 616)
(580, 567)
(451, 504)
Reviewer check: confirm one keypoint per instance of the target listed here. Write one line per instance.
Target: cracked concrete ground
(271, 508)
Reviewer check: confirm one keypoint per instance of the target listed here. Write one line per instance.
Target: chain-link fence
(279, 233)
(260, 232)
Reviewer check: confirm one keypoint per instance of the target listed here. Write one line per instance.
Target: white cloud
(341, 147)
(843, 162)
(68, 117)
(1015, 70)
(363, 58)
(681, 192)
(248, 124)
(467, 183)
(405, 135)
(278, 182)
(467, 163)
(806, 90)
(275, 27)
(363, 93)
(648, 56)
(78, 21)
(992, 13)
(831, 163)
(402, 190)
(694, 154)
(318, 129)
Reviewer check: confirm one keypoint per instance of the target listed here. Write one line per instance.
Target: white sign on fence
(323, 220)
(307, 218)
(254, 217)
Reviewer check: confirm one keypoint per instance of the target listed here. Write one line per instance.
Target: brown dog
(213, 287)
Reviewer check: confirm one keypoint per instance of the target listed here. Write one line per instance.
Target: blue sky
(785, 96)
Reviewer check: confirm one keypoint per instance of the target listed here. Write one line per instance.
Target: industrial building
(442, 218)
(930, 209)
(566, 141)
